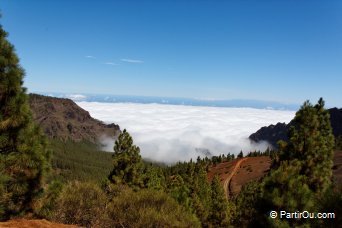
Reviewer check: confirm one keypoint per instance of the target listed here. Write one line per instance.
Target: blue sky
(286, 51)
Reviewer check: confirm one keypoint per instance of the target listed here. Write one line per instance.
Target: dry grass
(24, 223)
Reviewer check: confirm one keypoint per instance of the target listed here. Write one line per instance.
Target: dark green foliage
(188, 184)
(148, 208)
(267, 152)
(330, 202)
(180, 191)
(48, 202)
(127, 163)
(247, 205)
(286, 189)
(302, 172)
(312, 143)
(23, 153)
(221, 211)
(79, 161)
(200, 210)
(240, 155)
(153, 177)
(202, 192)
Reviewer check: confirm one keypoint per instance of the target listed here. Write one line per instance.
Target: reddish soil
(223, 170)
(235, 174)
(24, 223)
(253, 168)
(227, 182)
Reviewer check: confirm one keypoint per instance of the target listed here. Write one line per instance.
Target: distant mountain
(273, 133)
(204, 152)
(63, 119)
(238, 103)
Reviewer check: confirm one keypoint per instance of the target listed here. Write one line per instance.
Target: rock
(273, 133)
(63, 119)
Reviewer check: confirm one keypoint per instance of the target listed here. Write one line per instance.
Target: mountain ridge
(236, 103)
(62, 118)
(273, 133)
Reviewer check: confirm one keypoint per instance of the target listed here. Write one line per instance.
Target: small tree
(220, 213)
(286, 189)
(23, 153)
(247, 205)
(127, 163)
(201, 193)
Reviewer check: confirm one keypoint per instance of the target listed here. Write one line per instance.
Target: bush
(45, 206)
(82, 204)
(147, 208)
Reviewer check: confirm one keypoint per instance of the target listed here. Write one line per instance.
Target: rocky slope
(273, 133)
(61, 118)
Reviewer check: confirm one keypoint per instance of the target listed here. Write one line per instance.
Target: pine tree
(201, 195)
(23, 153)
(179, 190)
(220, 213)
(247, 205)
(312, 143)
(127, 162)
(285, 189)
(202, 213)
(303, 169)
(153, 177)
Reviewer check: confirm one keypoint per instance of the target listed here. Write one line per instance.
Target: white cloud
(132, 60)
(90, 57)
(111, 63)
(171, 133)
(76, 97)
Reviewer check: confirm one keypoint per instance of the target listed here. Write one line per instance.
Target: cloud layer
(76, 97)
(132, 60)
(171, 133)
(111, 63)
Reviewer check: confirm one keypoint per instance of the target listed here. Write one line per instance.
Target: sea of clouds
(171, 133)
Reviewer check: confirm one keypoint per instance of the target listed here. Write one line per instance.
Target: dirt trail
(227, 181)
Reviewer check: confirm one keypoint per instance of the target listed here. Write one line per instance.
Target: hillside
(273, 133)
(81, 161)
(234, 174)
(239, 172)
(63, 119)
(73, 139)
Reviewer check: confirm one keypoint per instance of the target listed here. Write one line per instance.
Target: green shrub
(82, 204)
(45, 206)
(148, 208)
